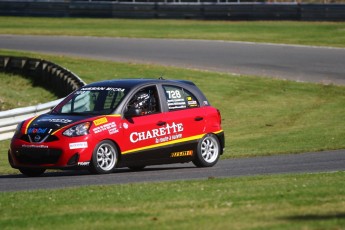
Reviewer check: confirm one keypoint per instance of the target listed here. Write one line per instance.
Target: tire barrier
(53, 77)
(202, 9)
(47, 74)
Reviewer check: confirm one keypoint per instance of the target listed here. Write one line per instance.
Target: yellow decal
(182, 154)
(114, 115)
(164, 144)
(220, 131)
(192, 138)
(100, 121)
(27, 126)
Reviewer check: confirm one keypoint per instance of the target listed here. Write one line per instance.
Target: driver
(144, 101)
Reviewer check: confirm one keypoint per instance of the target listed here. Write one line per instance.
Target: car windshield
(91, 101)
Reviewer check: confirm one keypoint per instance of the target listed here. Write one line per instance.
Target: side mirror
(133, 112)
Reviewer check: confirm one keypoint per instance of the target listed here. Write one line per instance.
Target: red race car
(121, 123)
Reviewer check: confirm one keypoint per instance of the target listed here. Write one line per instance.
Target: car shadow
(315, 217)
(68, 173)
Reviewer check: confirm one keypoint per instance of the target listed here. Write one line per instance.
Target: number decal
(174, 94)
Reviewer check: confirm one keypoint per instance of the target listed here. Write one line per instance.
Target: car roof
(137, 83)
(131, 83)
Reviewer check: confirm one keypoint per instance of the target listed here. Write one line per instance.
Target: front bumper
(56, 154)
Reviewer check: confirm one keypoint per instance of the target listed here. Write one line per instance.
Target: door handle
(198, 118)
(161, 123)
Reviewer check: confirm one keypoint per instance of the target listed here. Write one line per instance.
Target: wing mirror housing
(133, 112)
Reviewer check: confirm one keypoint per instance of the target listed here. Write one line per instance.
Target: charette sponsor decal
(192, 138)
(169, 132)
(78, 145)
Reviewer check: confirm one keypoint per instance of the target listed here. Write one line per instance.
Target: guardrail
(52, 76)
(11, 118)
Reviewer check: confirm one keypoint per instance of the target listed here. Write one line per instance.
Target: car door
(143, 126)
(186, 112)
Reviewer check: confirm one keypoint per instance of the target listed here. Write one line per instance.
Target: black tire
(32, 172)
(208, 151)
(104, 158)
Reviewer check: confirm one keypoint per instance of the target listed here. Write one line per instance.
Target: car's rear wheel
(104, 158)
(32, 172)
(208, 151)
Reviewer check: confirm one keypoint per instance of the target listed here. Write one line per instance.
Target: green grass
(17, 91)
(304, 201)
(289, 32)
(260, 116)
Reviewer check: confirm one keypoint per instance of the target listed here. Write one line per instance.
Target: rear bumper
(221, 137)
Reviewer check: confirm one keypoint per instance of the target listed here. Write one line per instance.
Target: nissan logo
(37, 138)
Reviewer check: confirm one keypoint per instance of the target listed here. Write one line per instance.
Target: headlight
(19, 127)
(78, 130)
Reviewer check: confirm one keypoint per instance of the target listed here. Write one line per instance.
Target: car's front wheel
(32, 172)
(208, 151)
(104, 157)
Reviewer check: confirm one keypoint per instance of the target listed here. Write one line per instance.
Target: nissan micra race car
(121, 123)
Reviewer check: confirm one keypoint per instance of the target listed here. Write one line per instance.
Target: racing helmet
(144, 101)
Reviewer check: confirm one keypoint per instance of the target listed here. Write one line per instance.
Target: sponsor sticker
(86, 163)
(103, 88)
(176, 104)
(65, 121)
(100, 121)
(192, 103)
(78, 145)
(182, 153)
(113, 131)
(110, 127)
(165, 133)
(35, 146)
(175, 99)
(37, 130)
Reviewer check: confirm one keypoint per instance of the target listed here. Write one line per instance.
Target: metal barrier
(11, 118)
(48, 74)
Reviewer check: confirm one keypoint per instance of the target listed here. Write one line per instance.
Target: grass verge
(17, 91)
(289, 32)
(260, 116)
(307, 201)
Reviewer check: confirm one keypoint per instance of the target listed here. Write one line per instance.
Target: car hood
(49, 123)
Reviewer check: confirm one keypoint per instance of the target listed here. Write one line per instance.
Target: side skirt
(176, 153)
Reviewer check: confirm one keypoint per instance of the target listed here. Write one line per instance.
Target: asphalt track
(291, 163)
(300, 63)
